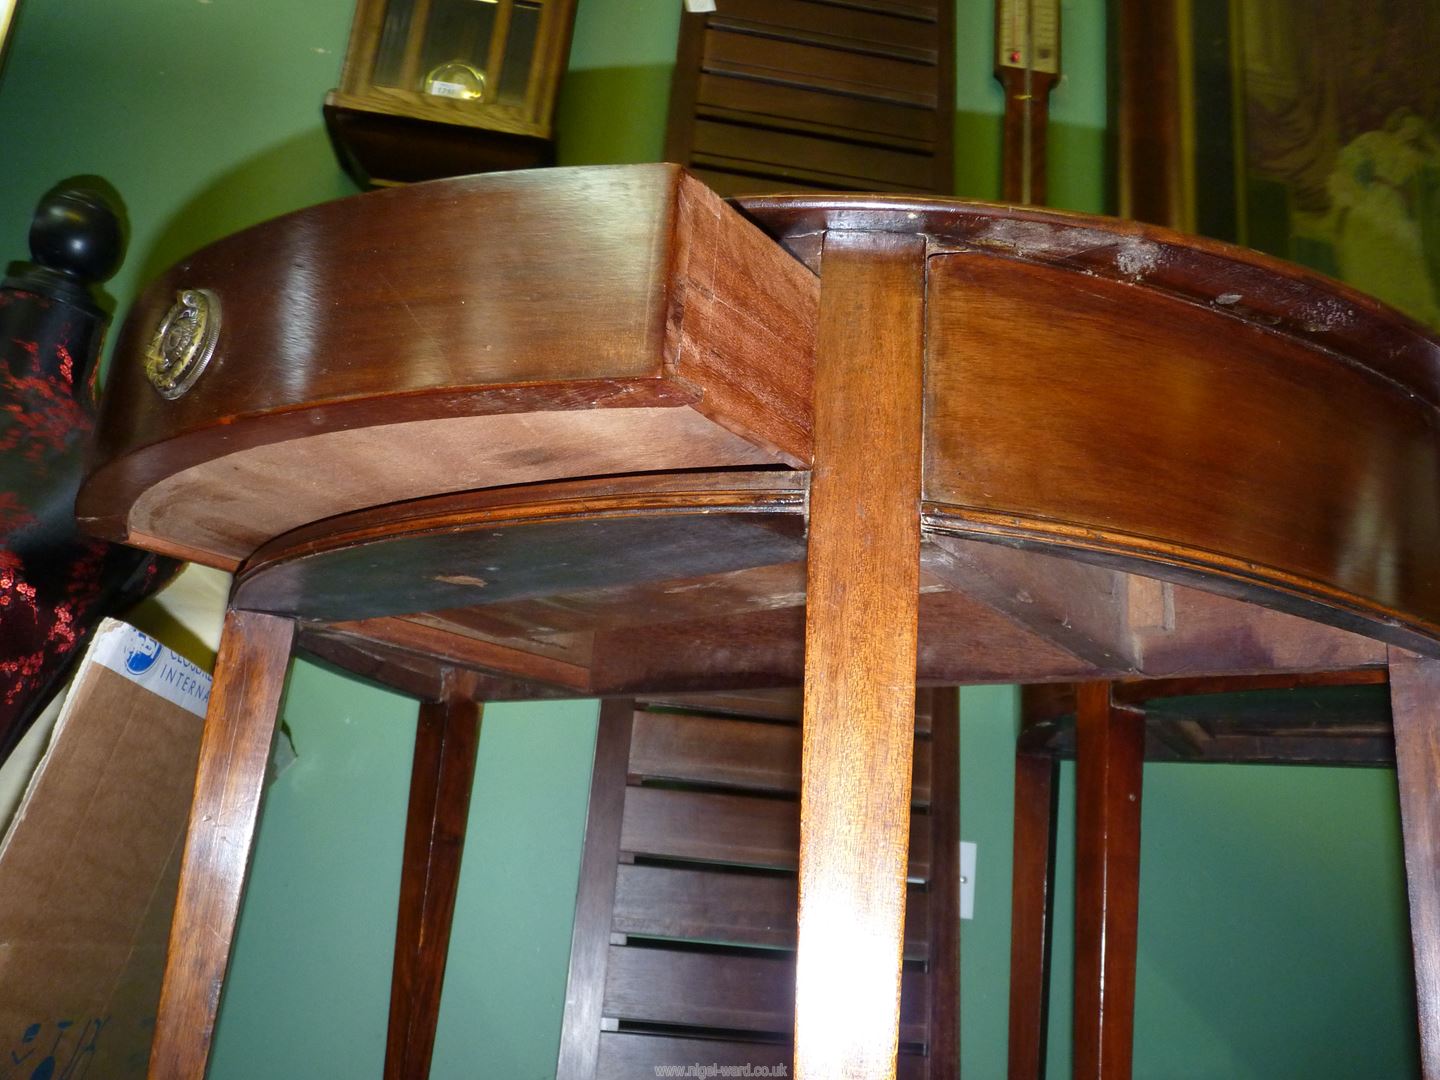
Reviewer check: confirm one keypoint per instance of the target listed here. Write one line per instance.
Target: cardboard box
(89, 865)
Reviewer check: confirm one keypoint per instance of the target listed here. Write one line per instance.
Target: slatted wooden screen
(816, 95)
(683, 948)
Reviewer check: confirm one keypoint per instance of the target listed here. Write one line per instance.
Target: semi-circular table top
(555, 428)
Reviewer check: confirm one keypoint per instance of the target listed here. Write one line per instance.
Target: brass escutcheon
(183, 343)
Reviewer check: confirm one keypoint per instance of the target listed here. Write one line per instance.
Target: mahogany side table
(593, 432)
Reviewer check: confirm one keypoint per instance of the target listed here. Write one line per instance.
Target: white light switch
(699, 7)
(967, 879)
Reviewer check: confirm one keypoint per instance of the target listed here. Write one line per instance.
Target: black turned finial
(77, 240)
(77, 230)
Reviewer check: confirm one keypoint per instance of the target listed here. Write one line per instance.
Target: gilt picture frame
(1307, 130)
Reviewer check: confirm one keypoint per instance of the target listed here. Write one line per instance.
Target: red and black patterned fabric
(55, 584)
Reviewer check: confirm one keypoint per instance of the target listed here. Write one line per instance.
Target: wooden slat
(706, 750)
(780, 704)
(723, 990)
(836, 114)
(734, 184)
(944, 152)
(595, 895)
(944, 891)
(733, 753)
(729, 908)
(736, 829)
(794, 177)
(689, 58)
(874, 77)
(626, 1055)
(923, 10)
(861, 628)
(830, 26)
(783, 705)
(820, 155)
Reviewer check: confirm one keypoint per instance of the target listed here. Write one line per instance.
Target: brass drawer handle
(183, 343)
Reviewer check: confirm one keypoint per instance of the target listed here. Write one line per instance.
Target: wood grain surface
(860, 649)
(447, 736)
(234, 753)
(720, 827)
(1031, 903)
(700, 941)
(945, 882)
(1246, 285)
(1181, 435)
(716, 990)
(457, 568)
(1415, 701)
(464, 333)
(1200, 426)
(1025, 134)
(755, 910)
(741, 754)
(1107, 882)
(1238, 362)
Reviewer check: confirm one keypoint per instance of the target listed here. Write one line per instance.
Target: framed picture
(7, 22)
(1309, 129)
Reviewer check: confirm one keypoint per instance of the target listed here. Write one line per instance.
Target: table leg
(1415, 705)
(234, 752)
(944, 888)
(860, 649)
(1109, 759)
(1031, 899)
(446, 738)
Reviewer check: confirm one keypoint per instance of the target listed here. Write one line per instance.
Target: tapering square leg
(943, 899)
(234, 752)
(1109, 760)
(446, 738)
(1031, 900)
(860, 651)
(1415, 706)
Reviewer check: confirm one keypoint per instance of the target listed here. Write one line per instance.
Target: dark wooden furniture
(593, 432)
(684, 941)
(800, 95)
(1332, 718)
(435, 88)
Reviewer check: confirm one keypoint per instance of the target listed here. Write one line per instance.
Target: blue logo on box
(141, 654)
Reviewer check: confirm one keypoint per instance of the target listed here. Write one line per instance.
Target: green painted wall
(1272, 922)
